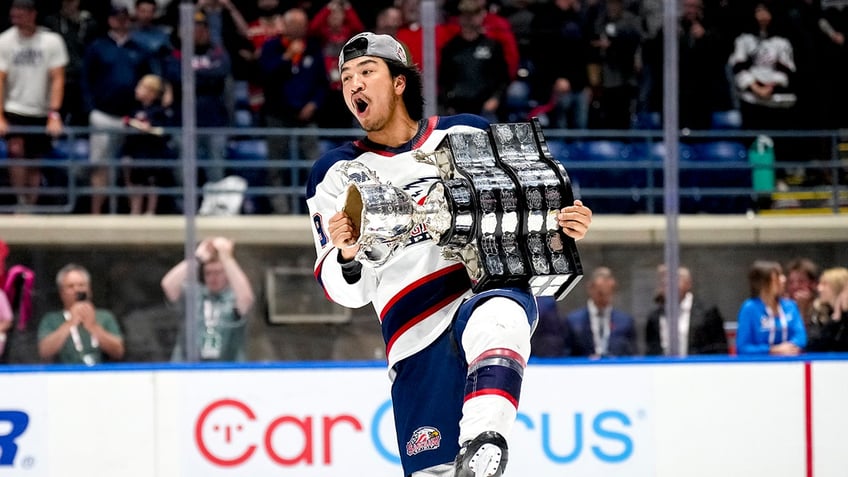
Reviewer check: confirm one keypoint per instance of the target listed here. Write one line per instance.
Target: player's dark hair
(413, 95)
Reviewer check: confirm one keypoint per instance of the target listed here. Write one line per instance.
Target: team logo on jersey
(423, 439)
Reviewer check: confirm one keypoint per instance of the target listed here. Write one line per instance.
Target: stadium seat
(648, 120)
(655, 152)
(725, 166)
(74, 149)
(256, 176)
(517, 101)
(566, 154)
(731, 119)
(606, 176)
(605, 151)
(243, 118)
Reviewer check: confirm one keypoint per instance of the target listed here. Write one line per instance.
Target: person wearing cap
(295, 85)
(78, 28)
(212, 68)
(32, 85)
(456, 358)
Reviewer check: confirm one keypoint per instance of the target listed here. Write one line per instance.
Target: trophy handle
(358, 172)
(351, 201)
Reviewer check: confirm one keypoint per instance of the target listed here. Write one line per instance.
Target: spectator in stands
(599, 329)
(520, 15)
(16, 288)
(561, 85)
(838, 331)
(78, 28)
(224, 300)
(79, 333)
(410, 34)
(473, 74)
(228, 29)
(113, 65)
(268, 24)
(703, 82)
(613, 75)
(212, 74)
(551, 333)
(149, 142)
(768, 323)
(833, 334)
(802, 277)
(226, 23)
(334, 23)
(764, 70)
(832, 74)
(150, 34)
(32, 84)
(498, 28)
(6, 322)
(295, 82)
(700, 327)
(6, 315)
(388, 21)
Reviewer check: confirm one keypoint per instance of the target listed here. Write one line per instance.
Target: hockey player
(456, 358)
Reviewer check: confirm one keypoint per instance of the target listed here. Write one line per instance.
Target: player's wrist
(343, 257)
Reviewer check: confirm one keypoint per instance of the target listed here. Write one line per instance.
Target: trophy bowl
(383, 214)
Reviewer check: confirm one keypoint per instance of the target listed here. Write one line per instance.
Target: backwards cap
(371, 44)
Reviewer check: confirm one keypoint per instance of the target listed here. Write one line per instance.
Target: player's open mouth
(361, 105)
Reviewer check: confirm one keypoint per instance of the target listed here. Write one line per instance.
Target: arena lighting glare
(494, 210)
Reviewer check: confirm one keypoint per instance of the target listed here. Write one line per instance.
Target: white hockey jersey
(417, 292)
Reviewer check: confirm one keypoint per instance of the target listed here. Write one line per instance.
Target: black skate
(484, 456)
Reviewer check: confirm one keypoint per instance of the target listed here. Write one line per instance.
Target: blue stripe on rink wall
(637, 361)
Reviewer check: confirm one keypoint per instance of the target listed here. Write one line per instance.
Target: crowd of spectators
(783, 316)
(792, 308)
(575, 64)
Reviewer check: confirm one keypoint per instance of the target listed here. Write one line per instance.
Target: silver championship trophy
(494, 210)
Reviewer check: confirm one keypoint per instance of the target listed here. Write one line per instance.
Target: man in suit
(596, 330)
(700, 326)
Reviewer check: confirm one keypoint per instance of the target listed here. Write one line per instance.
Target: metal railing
(615, 171)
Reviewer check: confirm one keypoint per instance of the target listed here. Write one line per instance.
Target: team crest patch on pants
(423, 439)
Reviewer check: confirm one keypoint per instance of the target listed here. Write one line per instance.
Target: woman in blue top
(769, 323)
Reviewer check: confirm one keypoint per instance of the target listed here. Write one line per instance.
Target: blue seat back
(731, 119)
(730, 169)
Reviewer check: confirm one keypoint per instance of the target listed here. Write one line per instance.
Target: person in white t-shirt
(32, 84)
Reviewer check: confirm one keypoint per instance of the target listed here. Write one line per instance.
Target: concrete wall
(127, 257)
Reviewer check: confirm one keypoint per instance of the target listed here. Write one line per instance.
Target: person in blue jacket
(769, 324)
